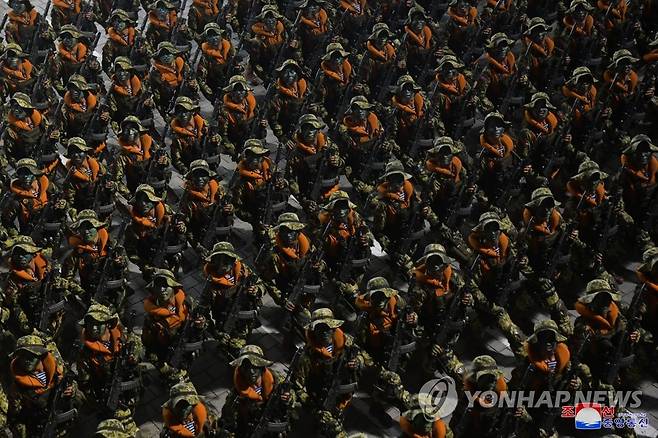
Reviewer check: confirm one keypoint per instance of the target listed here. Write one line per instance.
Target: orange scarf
(626, 85)
(403, 197)
(357, 7)
(135, 87)
(317, 25)
(297, 91)
(27, 18)
(294, 253)
(320, 144)
(209, 8)
(491, 257)
(543, 226)
(87, 172)
(338, 344)
(219, 55)
(89, 103)
(596, 322)
(365, 131)
(582, 29)
(408, 431)
(422, 40)
(453, 170)
(441, 285)
(385, 55)
(343, 76)
(100, 353)
(463, 20)
(23, 125)
(167, 24)
(22, 73)
(65, 6)
(246, 108)
(574, 189)
(412, 111)
(205, 197)
(153, 219)
(199, 415)
(28, 381)
(505, 68)
(269, 37)
(171, 75)
(140, 151)
(35, 197)
(76, 56)
(562, 355)
(173, 318)
(247, 391)
(547, 127)
(256, 178)
(224, 281)
(501, 150)
(194, 129)
(36, 272)
(125, 38)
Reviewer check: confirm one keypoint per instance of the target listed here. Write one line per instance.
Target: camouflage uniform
(187, 412)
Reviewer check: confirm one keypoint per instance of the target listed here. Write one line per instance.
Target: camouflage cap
(111, 428)
(77, 143)
(649, 260)
(187, 103)
(69, 29)
(290, 221)
(87, 216)
(183, 391)
(148, 191)
(416, 10)
(582, 3)
(254, 354)
(305, 3)
(100, 313)
(537, 23)
(255, 147)
(289, 63)
(121, 15)
(123, 63)
(338, 195)
(334, 48)
(199, 166)
(237, 81)
(29, 164)
(435, 250)
(23, 242)
(16, 50)
(487, 218)
(497, 39)
(450, 60)
(538, 195)
(405, 80)
(378, 29)
(495, 116)
(620, 55)
(32, 343)
(323, 316)
(79, 82)
(162, 3)
(213, 28)
(225, 248)
(596, 287)
(393, 167)
(546, 325)
(22, 100)
(310, 119)
(166, 46)
(167, 275)
(360, 102)
(379, 284)
(539, 97)
(134, 121)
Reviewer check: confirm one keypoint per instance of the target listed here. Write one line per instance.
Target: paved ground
(213, 378)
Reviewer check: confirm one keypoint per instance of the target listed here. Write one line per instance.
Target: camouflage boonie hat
(546, 325)
(497, 39)
(32, 343)
(435, 250)
(338, 195)
(538, 97)
(379, 284)
(290, 221)
(100, 313)
(580, 72)
(255, 147)
(167, 275)
(213, 27)
(650, 254)
(148, 191)
(186, 103)
(442, 143)
(164, 3)
(23, 242)
(77, 143)
(406, 80)
(360, 102)
(394, 167)
(596, 287)
(16, 49)
(379, 28)
(199, 166)
(30, 164)
(483, 365)
(237, 81)
(289, 63)
(254, 354)
(537, 23)
(183, 391)
(538, 195)
(111, 428)
(620, 55)
(70, 30)
(310, 119)
(589, 169)
(133, 120)
(269, 10)
(333, 48)
(87, 216)
(451, 60)
(22, 100)
(79, 82)
(640, 140)
(487, 218)
(495, 115)
(575, 3)
(122, 15)
(324, 316)
(166, 46)
(415, 10)
(225, 248)
(123, 63)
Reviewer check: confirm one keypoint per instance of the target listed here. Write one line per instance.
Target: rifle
(599, 112)
(45, 138)
(118, 386)
(562, 132)
(235, 313)
(267, 212)
(454, 211)
(139, 36)
(90, 52)
(462, 106)
(179, 20)
(617, 359)
(348, 260)
(4, 21)
(210, 233)
(243, 35)
(182, 344)
(102, 282)
(47, 308)
(511, 87)
(37, 32)
(181, 86)
(508, 417)
(397, 348)
(265, 426)
(159, 258)
(54, 419)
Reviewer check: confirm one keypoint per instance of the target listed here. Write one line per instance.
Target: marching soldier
(237, 117)
(167, 77)
(122, 37)
(218, 55)
(80, 108)
(17, 72)
(186, 414)
(128, 95)
(292, 93)
(28, 28)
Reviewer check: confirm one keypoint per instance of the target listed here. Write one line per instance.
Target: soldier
(162, 22)
(17, 72)
(356, 16)
(237, 117)
(73, 12)
(254, 385)
(383, 63)
(167, 77)
(638, 178)
(218, 55)
(415, 423)
(28, 28)
(453, 93)
(268, 38)
(621, 83)
(128, 95)
(121, 38)
(36, 371)
(187, 414)
(498, 69)
(109, 351)
(337, 73)
(314, 26)
(73, 53)
(80, 109)
(292, 94)
(330, 358)
(205, 205)
(85, 178)
(463, 30)
(579, 35)
(420, 42)
(497, 159)
(411, 118)
(111, 428)
(201, 14)
(191, 139)
(539, 130)
(581, 94)
(231, 288)
(542, 60)
(435, 285)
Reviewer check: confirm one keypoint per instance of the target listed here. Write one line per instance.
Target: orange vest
(174, 313)
(199, 415)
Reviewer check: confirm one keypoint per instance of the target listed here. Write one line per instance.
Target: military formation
(415, 175)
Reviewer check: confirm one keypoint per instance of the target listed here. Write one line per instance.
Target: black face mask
(406, 94)
(583, 86)
(88, 232)
(13, 62)
(434, 267)
(162, 291)
(443, 159)
(486, 382)
(395, 182)
(538, 37)
(69, 42)
(494, 131)
(311, 11)
(95, 329)
(77, 157)
(336, 61)
(161, 13)
(214, 40)
(250, 372)
(222, 263)
(119, 26)
(417, 24)
(269, 22)
(579, 15)
(144, 205)
(27, 361)
(601, 304)
(238, 95)
(122, 75)
(340, 214)
(254, 162)
(199, 181)
(289, 76)
(288, 237)
(540, 112)
(184, 117)
(19, 112)
(25, 177)
(323, 334)
(130, 134)
(21, 259)
(448, 73)
(17, 7)
(359, 114)
(642, 158)
(501, 51)
(183, 410)
(308, 133)
(167, 58)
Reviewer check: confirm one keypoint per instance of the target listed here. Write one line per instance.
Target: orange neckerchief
(247, 391)
(422, 40)
(344, 230)
(456, 87)
(505, 68)
(76, 56)
(297, 91)
(543, 227)
(125, 38)
(28, 381)
(303, 245)
(647, 175)
(173, 318)
(617, 12)
(37, 191)
(380, 320)
(98, 249)
(343, 76)
(385, 55)
(193, 129)
(545, 50)
(199, 415)
(256, 178)
(27, 18)
(269, 37)
(403, 197)
(22, 73)
(562, 355)
(87, 172)
(574, 188)
(205, 197)
(582, 29)
(501, 150)
(89, 103)
(625, 85)
(365, 130)
(463, 20)
(408, 431)
(597, 322)
(35, 272)
(547, 127)
(490, 253)
(218, 54)
(123, 90)
(34, 121)
(99, 349)
(453, 170)
(441, 285)
(357, 7)
(246, 107)
(320, 144)
(152, 219)
(226, 280)
(171, 75)
(167, 24)
(338, 343)
(65, 6)
(588, 101)
(413, 110)
(210, 7)
(318, 24)
(139, 151)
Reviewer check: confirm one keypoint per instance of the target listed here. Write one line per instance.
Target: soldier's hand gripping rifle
(159, 257)
(55, 416)
(179, 21)
(122, 362)
(267, 208)
(139, 39)
(266, 425)
(33, 48)
(189, 72)
(511, 87)
(398, 349)
(47, 307)
(184, 343)
(107, 263)
(45, 138)
(235, 312)
(217, 209)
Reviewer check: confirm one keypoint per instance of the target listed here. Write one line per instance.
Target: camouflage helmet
(338, 195)
(148, 191)
(393, 167)
(29, 164)
(289, 63)
(237, 81)
(169, 277)
(310, 119)
(134, 120)
(31, 343)
(640, 140)
(620, 55)
(582, 3)
(77, 143)
(199, 166)
(378, 29)
(186, 103)
(596, 287)
(379, 284)
(111, 428)
(324, 315)
(183, 391)
(334, 48)
(254, 354)
(546, 325)
(537, 23)
(225, 248)
(538, 97)
(405, 80)
(497, 39)
(123, 63)
(87, 215)
(538, 195)
(69, 29)
(290, 221)
(22, 100)
(255, 147)
(79, 82)
(23, 242)
(100, 313)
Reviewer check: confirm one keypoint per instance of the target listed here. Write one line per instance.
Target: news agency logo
(595, 416)
(588, 416)
(438, 398)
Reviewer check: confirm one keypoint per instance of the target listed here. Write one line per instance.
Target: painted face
(494, 130)
(601, 304)
(76, 94)
(309, 133)
(27, 360)
(486, 382)
(250, 372)
(340, 211)
(380, 40)
(122, 75)
(144, 204)
(184, 116)
(538, 35)
(238, 94)
(491, 233)
(161, 13)
(584, 84)
(417, 23)
(130, 133)
(434, 266)
(311, 11)
(289, 76)
(406, 94)
(25, 177)
(254, 161)
(269, 21)
(183, 410)
(17, 6)
(323, 334)
(68, 41)
(359, 113)
(540, 111)
(501, 51)
(167, 58)
(199, 180)
(579, 14)
(545, 207)
(120, 26)
(448, 72)
(19, 112)
(88, 232)
(13, 61)
(94, 329)
(378, 300)
(288, 237)
(162, 291)
(21, 259)
(223, 263)
(395, 182)
(642, 156)
(547, 342)
(462, 7)
(214, 39)
(337, 59)
(420, 424)
(624, 67)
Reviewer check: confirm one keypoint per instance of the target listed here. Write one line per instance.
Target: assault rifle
(559, 136)
(213, 230)
(235, 313)
(511, 87)
(267, 209)
(159, 258)
(118, 386)
(179, 89)
(32, 47)
(139, 37)
(397, 347)
(54, 399)
(183, 344)
(48, 308)
(349, 261)
(45, 138)
(179, 21)
(105, 269)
